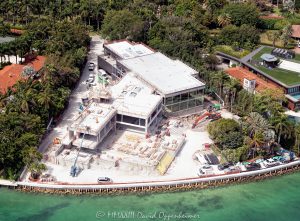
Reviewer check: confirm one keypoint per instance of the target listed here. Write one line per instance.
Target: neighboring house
(11, 74)
(296, 32)
(256, 83)
(250, 81)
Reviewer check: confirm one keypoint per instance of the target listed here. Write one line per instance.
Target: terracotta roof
(296, 31)
(16, 31)
(36, 63)
(11, 74)
(241, 73)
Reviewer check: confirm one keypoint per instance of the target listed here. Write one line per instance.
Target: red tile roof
(241, 73)
(11, 74)
(16, 31)
(36, 63)
(296, 31)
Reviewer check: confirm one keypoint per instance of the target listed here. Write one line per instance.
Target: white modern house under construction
(145, 84)
(173, 80)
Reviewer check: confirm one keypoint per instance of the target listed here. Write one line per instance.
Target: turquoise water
(275, 199)
(296, 96)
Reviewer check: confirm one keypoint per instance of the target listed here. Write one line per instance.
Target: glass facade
(184, 101)
(293, 90)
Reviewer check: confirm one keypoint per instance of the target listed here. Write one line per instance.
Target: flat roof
(132, 97)
(125, 49)
(95, 116)
(162, 73)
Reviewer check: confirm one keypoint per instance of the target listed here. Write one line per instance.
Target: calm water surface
(274, 199)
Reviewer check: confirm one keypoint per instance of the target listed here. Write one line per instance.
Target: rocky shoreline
(146, 189)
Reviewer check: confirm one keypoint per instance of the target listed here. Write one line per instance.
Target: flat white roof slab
(95, 117)
(164, 74)
(132, 97)
(125, 49)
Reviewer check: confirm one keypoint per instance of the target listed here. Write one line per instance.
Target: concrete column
(146, 125)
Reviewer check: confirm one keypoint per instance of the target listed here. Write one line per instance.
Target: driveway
(79, 92)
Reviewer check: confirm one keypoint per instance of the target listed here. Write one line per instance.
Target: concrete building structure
(137, 106)
(142, 85)
(173, 80)
(95, 122)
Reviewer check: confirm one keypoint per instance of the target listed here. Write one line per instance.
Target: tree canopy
(243, 13)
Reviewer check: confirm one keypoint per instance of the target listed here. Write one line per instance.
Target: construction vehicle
(75, 169)
(207, 115)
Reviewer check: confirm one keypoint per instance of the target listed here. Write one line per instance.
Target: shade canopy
(268, 58)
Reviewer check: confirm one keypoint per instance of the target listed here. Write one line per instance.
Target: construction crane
(74, 169)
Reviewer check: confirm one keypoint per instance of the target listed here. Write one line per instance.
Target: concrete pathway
(249, 56)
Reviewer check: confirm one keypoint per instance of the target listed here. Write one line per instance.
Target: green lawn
(285, 76)
(265, 50)
(230, 51)
(297, 57)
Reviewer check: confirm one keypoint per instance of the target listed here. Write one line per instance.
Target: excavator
(209, 114)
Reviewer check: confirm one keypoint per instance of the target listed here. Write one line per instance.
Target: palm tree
(46, 99)
(219, 79)
(257, 141)
(36, 169)
(282, 127)
(255, 122)
(286, 34)
(273, 36)
(224, 20)
(232, 86)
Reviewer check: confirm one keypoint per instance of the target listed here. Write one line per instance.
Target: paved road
(79, 92)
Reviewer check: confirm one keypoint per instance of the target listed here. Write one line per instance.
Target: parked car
(225, 165)
(92, 84)
(91, 66)
(271, 163)
(91, 79)
(206, 166)
(201, 172)
(104, 180)
(253, 166)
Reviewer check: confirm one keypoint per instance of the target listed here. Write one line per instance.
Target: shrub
(226, 133)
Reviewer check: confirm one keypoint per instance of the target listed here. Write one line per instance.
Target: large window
(184, 101)
(293, 90)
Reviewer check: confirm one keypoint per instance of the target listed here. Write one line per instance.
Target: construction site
(127, 127)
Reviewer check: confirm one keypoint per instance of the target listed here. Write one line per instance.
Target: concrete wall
(105, 65)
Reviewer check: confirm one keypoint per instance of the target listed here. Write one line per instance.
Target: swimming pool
(296, 96)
